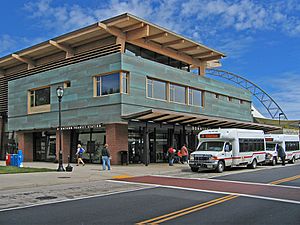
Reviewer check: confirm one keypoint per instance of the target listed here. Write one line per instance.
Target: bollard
(69, 168)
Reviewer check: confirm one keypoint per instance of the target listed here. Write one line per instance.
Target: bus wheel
(220, 167)
(274, 161)
(292, 161)
(253, 164)
(194, 169)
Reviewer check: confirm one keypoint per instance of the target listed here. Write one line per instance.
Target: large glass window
(195, 97)
(40, 97)
(110, 83)
(177, 93)
(156, 89)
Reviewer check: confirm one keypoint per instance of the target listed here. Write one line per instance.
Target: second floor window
(40, 97)
(195, 97)
(156, 89)
(177, 93)
(112, 83)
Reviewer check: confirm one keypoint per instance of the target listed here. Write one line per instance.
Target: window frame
(185, 93)
(31, 109)
(190, 94)
(167, 89)
(121, 76)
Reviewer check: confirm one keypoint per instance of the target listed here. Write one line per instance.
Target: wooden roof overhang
(170, 117)
(126, 28)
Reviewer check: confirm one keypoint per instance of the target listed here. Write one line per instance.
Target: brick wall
(65, 144)
(25, 143)
(117, 140)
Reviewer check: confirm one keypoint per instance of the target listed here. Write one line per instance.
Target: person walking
(171, 154)
(184, 154)
(281, 154)
(79, 155)
(105, 153)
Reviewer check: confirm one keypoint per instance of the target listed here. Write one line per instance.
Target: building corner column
(65, 145)
(25, 143)
(117, 140)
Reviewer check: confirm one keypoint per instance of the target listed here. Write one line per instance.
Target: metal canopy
(159, 116)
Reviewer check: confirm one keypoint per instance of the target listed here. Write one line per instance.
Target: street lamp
(60, 94)
(280, 114)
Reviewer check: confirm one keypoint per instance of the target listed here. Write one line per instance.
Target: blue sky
(260, 38)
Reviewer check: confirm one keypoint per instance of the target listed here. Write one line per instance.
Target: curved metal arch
(266, 100)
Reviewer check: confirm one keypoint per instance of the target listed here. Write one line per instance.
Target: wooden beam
(211, 58)
(202, 68)
(69, 51)
(199, 55)
(122, 42)
(191, 48)
(156, 36)
(132, 27)
(2, 73)
(112, 30)
(31, 63)
(138, 33)
(175, 42)
(152, 46)
(125, 19)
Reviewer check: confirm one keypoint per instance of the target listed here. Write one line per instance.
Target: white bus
(220, 148)
(290, 144)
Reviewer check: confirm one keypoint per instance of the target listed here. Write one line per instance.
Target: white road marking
(214, 192)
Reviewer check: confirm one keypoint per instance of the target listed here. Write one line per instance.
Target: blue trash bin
(12, 160)
(16, 159)
(20, 158)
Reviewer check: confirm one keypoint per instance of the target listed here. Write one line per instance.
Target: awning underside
(169, 117)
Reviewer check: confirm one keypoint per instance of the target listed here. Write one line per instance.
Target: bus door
(228, 154)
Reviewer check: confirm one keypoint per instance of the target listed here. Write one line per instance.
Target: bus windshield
(211, 146)
(270, 146)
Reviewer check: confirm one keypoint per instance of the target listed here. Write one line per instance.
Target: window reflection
(156, 89)
(177, 93)
(110, 83)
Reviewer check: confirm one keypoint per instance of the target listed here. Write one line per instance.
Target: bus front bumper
(203, 164)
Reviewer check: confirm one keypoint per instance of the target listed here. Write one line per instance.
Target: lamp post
(60, 93)
(279, 115)
(299, 129)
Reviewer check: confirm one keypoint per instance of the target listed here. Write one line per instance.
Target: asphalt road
(170, 206)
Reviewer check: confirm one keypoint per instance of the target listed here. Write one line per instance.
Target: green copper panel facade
(80, 107)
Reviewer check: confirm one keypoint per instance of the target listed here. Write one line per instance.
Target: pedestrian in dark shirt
(281, 154)
(105, 153)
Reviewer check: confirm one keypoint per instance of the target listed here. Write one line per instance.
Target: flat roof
(129, 27)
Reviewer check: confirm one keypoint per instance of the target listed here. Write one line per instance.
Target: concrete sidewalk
(82, 174)
(24, 189)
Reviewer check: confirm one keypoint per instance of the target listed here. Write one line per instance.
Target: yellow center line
(185, 211)
(286, 179)
(196, 209)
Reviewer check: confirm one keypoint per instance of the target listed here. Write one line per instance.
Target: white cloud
(284, 89)
(6, 44)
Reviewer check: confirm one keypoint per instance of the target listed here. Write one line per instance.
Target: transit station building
(127, 82)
